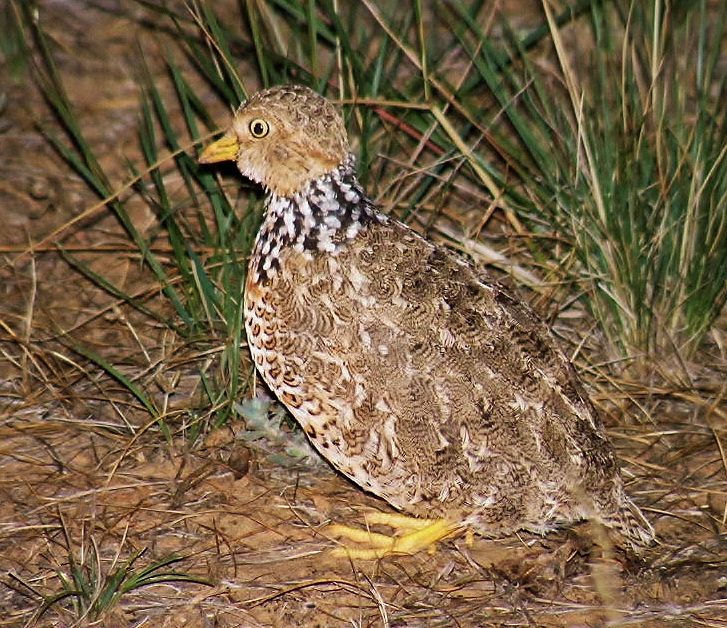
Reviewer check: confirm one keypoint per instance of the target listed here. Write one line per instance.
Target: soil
(88, 481)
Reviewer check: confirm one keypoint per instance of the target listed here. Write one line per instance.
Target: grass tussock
(94, 590)
(641, 175)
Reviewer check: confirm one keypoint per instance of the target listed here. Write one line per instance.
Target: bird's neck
(319, 219)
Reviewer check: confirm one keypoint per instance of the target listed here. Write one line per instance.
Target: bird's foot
(412, 535)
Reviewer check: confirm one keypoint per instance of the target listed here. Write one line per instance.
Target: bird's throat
(319, 219)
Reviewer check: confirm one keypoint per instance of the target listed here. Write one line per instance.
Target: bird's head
(283, 138)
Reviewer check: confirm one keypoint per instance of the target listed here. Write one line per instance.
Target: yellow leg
(414, 535)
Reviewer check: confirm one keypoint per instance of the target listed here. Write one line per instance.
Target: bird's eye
(259, 128)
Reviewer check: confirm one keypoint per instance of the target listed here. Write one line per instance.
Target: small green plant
(94, 590)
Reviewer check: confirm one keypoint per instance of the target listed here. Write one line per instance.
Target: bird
(410, 370)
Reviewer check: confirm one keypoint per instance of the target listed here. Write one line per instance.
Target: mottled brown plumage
(414, 375)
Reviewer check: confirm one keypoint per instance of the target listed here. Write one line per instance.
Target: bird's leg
(413, 535)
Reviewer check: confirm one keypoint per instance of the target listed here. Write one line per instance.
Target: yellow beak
(224, 149)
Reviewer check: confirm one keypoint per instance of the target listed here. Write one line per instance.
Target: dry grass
(88, 480)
